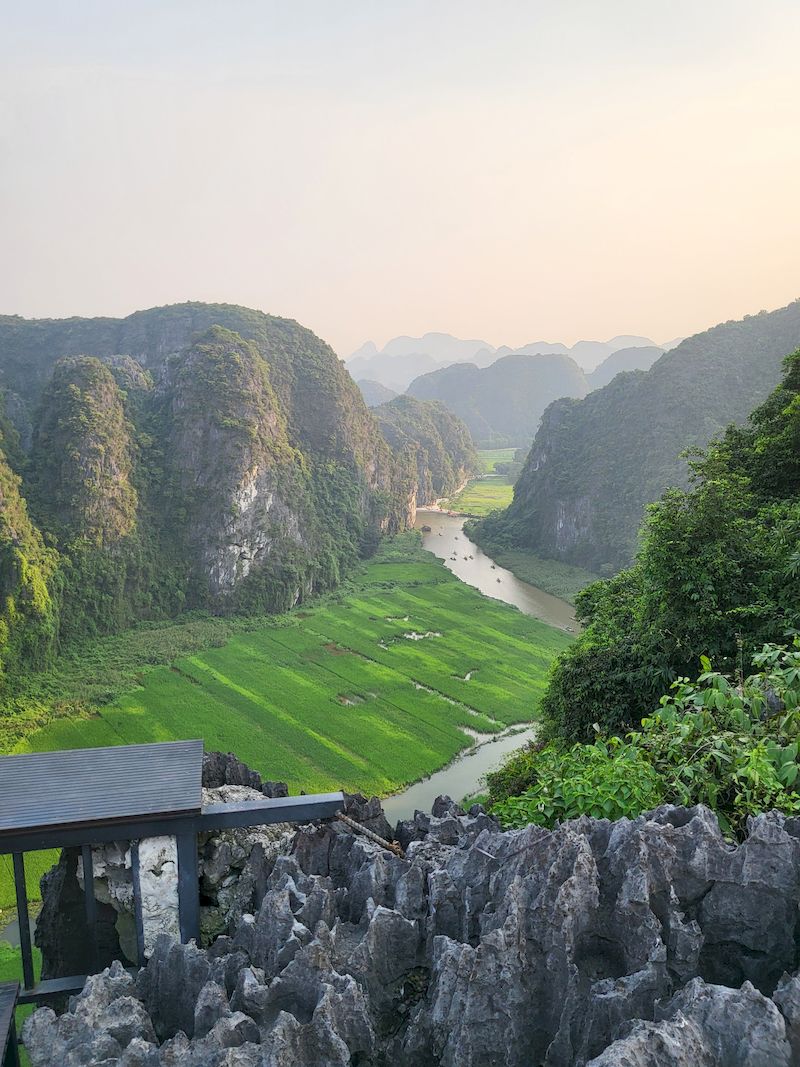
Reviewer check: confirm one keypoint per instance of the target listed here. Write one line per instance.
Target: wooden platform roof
(79, 787)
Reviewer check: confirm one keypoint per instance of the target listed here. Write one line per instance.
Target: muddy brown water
(446, 538)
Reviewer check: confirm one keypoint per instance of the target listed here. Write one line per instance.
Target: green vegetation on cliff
(502, 403)
(719, 569)
(194, 456)
(716, 585)
(435, 443)
(595, 463)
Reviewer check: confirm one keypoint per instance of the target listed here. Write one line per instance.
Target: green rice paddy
(481, 496)
(366, 691)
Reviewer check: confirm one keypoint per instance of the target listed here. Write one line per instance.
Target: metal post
(23, 920)
(11, 1058)
(137, 903)
(188, 888)
(90, 903)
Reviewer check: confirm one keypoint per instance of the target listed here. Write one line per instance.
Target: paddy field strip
(482, 495)
(490, 457)
(366, 691)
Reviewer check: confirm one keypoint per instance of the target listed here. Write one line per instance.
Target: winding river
(446, 539)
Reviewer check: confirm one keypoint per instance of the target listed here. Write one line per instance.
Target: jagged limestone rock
(594, 943)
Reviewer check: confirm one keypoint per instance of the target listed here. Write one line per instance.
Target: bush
(732, 745)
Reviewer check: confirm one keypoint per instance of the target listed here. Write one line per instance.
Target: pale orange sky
(512, 171)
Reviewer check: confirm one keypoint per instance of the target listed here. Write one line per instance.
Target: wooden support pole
(188, 888)
(23, 920)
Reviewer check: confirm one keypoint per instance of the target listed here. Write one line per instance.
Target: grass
(490, 457)
(328, 696)
(482, 495)
(11, 968)
(561, 579)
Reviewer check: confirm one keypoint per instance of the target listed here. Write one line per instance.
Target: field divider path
(413, 681)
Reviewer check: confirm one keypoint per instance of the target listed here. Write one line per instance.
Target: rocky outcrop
(635, 943)
(239, 479)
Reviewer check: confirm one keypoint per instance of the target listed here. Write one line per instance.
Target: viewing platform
(79, 798)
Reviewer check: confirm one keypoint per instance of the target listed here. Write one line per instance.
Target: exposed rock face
(242, 481)
(630, 944)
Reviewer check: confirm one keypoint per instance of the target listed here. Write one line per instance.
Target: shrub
(730, 744)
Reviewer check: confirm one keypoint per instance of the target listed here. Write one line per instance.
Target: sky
(511, 171)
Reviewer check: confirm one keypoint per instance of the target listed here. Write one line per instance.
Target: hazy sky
(514, 171)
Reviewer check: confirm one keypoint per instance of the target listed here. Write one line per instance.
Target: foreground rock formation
(633, 944)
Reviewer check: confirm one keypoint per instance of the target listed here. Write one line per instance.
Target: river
(446, 539)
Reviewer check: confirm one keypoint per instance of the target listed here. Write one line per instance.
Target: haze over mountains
(404, 358)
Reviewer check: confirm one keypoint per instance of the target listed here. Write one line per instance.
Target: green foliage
(555, 577)
(28, 614)
(11, 969)
(82, 456)
(437, 444)
(732, 746)
(596, 463)
(501, 404)
(607, 780)
(718, 566)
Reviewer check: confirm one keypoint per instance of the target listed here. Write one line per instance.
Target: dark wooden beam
(212, 817)
(23, 920)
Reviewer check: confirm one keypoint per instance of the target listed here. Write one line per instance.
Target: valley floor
(368, 690)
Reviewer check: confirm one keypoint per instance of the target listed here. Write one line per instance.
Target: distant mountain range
(503, 403)
(403, 359)
(374, 393)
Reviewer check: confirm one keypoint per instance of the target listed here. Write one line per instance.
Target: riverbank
(560, 579)
(447, 537)
(490, 492)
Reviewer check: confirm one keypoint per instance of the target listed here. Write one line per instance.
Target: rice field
(368, 691)
(490, 457)
(365, 693)
(482, 495)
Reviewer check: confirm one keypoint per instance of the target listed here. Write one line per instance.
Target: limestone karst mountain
(192, 455)
(595, 463)
(374, 393)
(502, 403)
(436, 444)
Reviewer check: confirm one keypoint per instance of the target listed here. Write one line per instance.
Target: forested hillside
(192, 456)
(714, 596)
(641, 358)
(501, 404)
(718, 575)
(374, 393)
(595, 463)
(434, 443)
